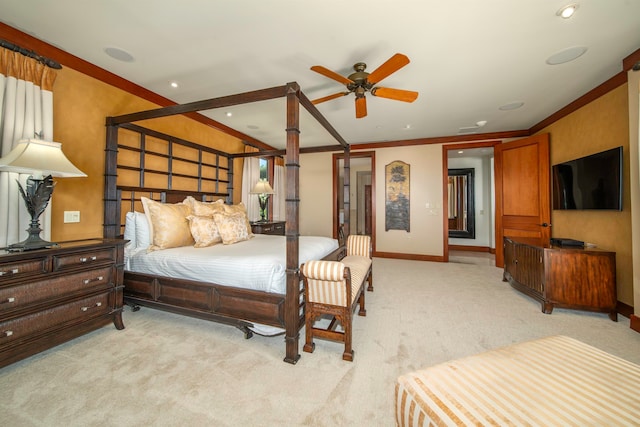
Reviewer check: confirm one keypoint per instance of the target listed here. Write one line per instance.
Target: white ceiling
(468, 57)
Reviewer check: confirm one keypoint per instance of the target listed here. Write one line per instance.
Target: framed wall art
(397, 174)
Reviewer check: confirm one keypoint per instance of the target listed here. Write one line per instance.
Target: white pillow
(130, 229)
(143, 231)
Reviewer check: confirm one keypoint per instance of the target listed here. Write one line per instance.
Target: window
(264, 174)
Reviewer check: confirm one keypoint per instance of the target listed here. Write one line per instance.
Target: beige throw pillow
(204, 208)
(168, 223)
(232, 227)
(204, 231)
(240, 209)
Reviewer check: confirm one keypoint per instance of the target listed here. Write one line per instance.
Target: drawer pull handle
(13, 271)
(7, 333)
(9, 300)
(97, 279)
(85, 259)
(98, 304)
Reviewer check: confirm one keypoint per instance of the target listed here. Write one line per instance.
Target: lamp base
(32, 243)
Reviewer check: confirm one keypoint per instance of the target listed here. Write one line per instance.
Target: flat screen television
(591, 182)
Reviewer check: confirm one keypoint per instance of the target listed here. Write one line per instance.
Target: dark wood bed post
(111, 225)
(292, 164)
(346, 204)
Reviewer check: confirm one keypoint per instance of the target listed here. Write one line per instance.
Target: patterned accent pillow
(232, 227)
(204, 231)
(204, 208)
(239, 208)
(169, 224)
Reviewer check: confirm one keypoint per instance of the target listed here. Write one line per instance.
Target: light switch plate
(71, 216)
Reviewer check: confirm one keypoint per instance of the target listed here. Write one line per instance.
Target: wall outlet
(71, 216)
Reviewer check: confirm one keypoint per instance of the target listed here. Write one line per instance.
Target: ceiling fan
(361, 82)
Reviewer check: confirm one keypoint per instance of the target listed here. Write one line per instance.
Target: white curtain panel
(278, 199)
(251, 175)
(26, 109)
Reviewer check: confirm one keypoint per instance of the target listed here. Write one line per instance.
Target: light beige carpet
(168, 370)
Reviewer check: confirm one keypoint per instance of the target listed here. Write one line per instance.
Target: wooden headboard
(147, 163)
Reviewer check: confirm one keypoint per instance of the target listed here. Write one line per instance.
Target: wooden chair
(335, 288)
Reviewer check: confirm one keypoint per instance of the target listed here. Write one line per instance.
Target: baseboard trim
(635, 323)
(470, 248)
(411, 257)
(624, 309)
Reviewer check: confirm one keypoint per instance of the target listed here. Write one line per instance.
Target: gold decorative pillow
(239, 208)
(204, 231)
(232, 227)
(204, 208)
(168, 223)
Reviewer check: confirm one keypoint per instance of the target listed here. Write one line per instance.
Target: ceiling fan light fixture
(567, 11)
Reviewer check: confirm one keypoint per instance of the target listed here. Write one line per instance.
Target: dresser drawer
(83, 258)
(43, 290)
(72, 313)
(11, 271)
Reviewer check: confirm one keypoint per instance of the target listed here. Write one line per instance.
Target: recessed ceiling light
(254, 127)
(566, 55)
(407, 126)
(481, 123)
(173, 84)
(460, 152)
(228, 114)
(567, 11)
(119, 54)
(511, 106)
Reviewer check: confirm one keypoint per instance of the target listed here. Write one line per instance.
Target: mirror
(461, 204)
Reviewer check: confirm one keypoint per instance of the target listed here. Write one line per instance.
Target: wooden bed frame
(212, 171)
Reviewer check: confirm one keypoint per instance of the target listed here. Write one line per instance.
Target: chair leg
(348, 351)
(309, 320)
(370, 280)
(363, 310)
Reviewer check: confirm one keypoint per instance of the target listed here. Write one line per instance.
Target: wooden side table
(268, 227)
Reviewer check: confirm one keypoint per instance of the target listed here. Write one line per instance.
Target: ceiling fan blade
(397, 94)
(329, 97)
(392, 65)
(361, 107)
(331, 74)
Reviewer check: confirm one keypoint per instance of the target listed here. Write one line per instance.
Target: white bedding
(258, 263)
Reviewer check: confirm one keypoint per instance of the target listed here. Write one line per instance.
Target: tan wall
(598, 126)
(81, 104)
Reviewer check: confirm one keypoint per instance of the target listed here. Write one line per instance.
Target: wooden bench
(335, 288)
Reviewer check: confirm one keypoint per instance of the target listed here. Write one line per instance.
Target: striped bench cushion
(326, 282)
(358, 245)
(554, 381)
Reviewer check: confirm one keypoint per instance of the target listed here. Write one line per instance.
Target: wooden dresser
(268, 227)
(51, 296)
(582, 279)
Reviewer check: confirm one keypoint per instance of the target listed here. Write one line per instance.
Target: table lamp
(44, 160)
(263, 190)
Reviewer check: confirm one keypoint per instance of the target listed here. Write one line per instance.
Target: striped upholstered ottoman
(554, 381)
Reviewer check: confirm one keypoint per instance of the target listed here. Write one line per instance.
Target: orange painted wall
(598, 126)
(81, 104)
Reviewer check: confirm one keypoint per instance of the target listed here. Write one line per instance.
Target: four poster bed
(165, 173)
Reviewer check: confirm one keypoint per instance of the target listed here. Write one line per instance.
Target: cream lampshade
(263, 190)
(44, 160)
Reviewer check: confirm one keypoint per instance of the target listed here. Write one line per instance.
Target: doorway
(361, 198)
(469, 203)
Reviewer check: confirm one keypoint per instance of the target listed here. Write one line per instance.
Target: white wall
(316, 192)
(426, 221)
(426, 213)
